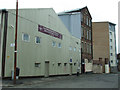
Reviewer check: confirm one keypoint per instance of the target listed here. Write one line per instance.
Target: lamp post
(15, 49)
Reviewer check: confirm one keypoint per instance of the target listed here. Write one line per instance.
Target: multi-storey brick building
(85, 23)
(104, 43)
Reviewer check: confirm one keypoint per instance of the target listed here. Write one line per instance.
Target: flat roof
(105, 22)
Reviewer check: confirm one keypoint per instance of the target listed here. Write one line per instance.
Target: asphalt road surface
(82, 81)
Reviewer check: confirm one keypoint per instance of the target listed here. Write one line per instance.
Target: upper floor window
(84, 19)
(90, 49)
(25, 37)
(0, 18)
(87, 48)
(81, 17)
(59, 45)
(110, 27)
(89, 35)
(37, 40)
(79, 50)
(111, 54)
(89, 22)
(86, 33)
(82, 32)
(75, 49)
(53, 43)
(110, 40)
(110, 33)
(111, 61)
(70, 48)
(111, 47)
(82, 46)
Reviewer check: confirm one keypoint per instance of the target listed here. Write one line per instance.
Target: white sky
(101, 10)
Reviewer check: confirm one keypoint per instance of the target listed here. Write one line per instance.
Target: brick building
(84, 21)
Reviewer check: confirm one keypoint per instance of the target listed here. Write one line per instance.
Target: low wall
(97, 68)
(113, 69)
(88, 66)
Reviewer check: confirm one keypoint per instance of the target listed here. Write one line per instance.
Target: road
(82, 81)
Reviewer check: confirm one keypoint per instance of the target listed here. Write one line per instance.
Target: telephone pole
(15, 50)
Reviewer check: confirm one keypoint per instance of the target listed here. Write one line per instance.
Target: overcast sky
(101, 10)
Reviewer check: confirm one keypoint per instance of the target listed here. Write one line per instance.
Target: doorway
(82, 67)
(46, 68)
(70, 68)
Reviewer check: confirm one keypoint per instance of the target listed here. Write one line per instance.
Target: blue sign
(70, 60)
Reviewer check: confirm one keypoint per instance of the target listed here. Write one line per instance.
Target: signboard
(49, 32)
(70, 60)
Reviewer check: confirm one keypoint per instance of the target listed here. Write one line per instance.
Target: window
(79, 50)
(89, 22)
(111, 47)
(81, 17)
(70, 48)
(59, 64)
(110, 33)
(74, 64)
(82, 46)
(37, 40)
(65, 64)
(87, 48)
(53, 44)
(26, 37)
(37, 64)
(0, 19)
(85, 33)
(89, 35)
(111, 54)
(77, 43)
(59, 45)
(75, 49)
(110, 27)
(82, 33)
(111, 61)
(84, 19)
(90, 49)
(110, 40)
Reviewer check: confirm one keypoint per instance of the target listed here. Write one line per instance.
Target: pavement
(81, 81)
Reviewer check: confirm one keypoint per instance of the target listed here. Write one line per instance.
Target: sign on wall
(49, 32)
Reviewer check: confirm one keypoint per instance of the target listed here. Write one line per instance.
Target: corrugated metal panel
(76, 25)
(73, 23)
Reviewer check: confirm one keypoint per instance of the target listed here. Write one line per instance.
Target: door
(47, 69)
(70, 68)
(82, 66)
